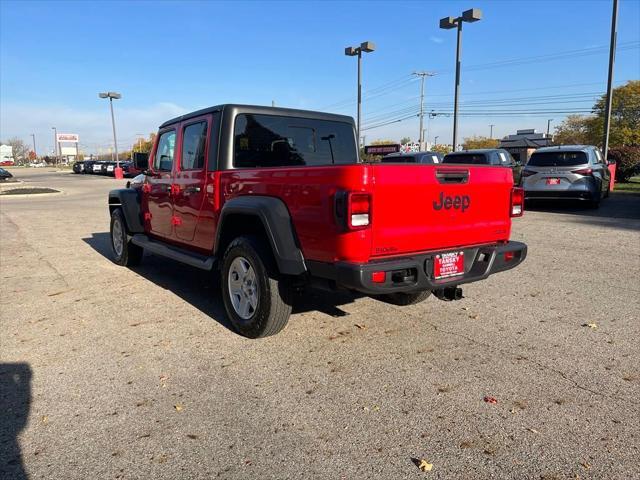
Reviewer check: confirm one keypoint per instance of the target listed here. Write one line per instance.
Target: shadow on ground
(15, 401)
(202, 289)
(614, 212)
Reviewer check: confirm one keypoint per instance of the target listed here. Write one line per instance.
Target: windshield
(466, 158)
(558, 159)
(399, 159)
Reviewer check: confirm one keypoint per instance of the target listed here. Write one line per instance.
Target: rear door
(419, 208)
(158, 189)
(190, 177)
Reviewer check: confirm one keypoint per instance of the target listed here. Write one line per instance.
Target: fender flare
(278, 227)
(128, 199)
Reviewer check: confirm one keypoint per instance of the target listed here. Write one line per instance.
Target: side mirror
(141, 161)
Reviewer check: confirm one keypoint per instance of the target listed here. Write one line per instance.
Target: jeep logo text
(461, 202)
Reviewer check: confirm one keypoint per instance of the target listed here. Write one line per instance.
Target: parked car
(413, 157)
(574, 172)
(129, 169)
(275, 199)
(88, 166)
(5, 174)
(96, 167)
(78, 167)
(107, 168)
(486, 156)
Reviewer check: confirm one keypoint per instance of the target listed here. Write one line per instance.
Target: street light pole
(33, 136)
(549, 126)
(491, 130)
(55, 143)
(612, 58)
(447, 23)
(366, 47)
(111, 96)
(435, 140)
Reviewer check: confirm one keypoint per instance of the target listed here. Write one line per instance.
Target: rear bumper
(559, 195)
(480, 262)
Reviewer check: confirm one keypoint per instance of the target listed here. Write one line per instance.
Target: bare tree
(20, 150)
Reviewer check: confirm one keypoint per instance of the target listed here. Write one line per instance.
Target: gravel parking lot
(107, 372)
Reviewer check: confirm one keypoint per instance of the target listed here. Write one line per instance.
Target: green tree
(144, 145)
(380, 141)
(470, 143)
(441, 148)
(405, 140)
(589, 130)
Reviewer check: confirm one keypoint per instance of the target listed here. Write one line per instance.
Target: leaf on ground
(44, 419)
(590, 325)
(178, 407)
(489, 399)
(465, 308)
(425, 466)
(532, 430)
(474, 316)
(360, 326)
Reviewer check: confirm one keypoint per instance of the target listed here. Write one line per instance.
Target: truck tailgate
(435, 207)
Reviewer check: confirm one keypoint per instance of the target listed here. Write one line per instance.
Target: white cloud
(93, 125)
(435, 39)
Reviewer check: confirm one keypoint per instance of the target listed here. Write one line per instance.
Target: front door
(190, 177)
(158, 188)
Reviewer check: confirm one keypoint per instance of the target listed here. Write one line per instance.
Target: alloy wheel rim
(243, 288)
(116, 237)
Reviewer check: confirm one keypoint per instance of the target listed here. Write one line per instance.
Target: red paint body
(183, 207)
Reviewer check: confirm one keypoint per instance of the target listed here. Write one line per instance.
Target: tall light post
(491, 130)
(366, 47)
(422, 76)
(55, 143)
(33, 136)
(612, 58)
(447, 23)
(549, 126)
(114, 95)
(435, 140)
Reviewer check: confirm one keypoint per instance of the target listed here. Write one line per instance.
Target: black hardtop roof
(258, 109)
(476, 150)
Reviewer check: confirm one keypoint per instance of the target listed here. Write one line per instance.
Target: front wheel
(125, 253)
(404, 299)
(256, 297)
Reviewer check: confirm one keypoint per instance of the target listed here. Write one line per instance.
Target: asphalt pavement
(108, 372)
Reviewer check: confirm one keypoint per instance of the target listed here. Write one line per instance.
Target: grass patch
(632, 186)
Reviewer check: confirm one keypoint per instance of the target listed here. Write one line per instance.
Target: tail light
(528, 173)
(517, 202)
(358, 210)
(353, 210)
(583, 171)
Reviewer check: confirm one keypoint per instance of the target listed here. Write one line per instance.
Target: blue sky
(167, 58)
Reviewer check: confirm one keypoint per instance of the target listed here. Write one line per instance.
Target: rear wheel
(256, 297)
(125, 253)
(404, 299)
(595, 201)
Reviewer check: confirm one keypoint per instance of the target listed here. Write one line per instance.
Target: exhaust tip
(449, 294)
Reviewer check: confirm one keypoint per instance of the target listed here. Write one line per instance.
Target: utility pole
(612, 58)
(491, 131)
(422, 76)
(55, 143)
(33, 136)
(549, 126)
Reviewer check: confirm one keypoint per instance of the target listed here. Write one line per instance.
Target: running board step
(174, 253)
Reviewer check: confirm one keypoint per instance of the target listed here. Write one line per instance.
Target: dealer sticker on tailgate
(448, 265)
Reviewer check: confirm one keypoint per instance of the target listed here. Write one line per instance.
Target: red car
(274, 199)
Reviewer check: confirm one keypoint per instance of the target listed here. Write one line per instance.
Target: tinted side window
(163, 160)
(276, 141)
(194, 141)
(466, 158)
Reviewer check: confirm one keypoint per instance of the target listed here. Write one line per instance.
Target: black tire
(404, 299)
(265, 312)
(125, 253)
(595, 201)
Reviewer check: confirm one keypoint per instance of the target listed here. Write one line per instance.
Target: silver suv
(576, 172)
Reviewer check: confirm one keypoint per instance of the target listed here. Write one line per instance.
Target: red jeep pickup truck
(274, 199)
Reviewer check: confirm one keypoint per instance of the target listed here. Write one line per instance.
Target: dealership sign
(68, 137)
(381, 149)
